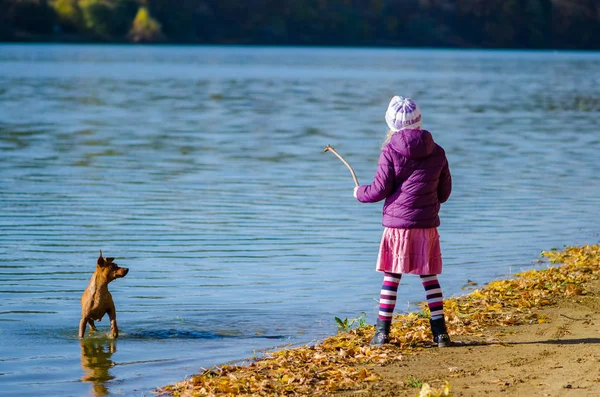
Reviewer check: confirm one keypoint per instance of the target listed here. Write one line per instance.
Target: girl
(414, 179)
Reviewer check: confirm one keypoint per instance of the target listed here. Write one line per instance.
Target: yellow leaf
(446, 389)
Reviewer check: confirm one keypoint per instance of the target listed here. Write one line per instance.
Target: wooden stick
(332, 150)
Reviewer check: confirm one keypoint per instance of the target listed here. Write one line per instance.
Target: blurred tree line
(561, 24)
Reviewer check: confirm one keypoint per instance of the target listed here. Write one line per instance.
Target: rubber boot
(382, 332)
(439, 331)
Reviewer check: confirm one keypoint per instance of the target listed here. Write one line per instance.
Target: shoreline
(507, 327)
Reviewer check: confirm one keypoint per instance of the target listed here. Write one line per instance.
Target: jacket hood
(413, 144)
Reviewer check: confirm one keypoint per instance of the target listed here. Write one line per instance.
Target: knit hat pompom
(403, 113)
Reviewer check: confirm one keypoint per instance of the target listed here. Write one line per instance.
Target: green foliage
(96, 17)
(414, 382)
(570, 24)
(423, 313)
(68, 14)
(346, 324)
(107, 19)
(145, 29)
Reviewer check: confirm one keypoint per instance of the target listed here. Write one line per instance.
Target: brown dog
(96, 301)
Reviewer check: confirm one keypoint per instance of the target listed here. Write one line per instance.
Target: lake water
(202, 170)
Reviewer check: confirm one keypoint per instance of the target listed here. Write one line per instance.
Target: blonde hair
(388, 137)
(391, 133)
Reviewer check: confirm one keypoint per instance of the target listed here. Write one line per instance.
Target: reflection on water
(203, 170)
(96, 363)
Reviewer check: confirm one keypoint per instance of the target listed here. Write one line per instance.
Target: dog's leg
(92, 325)
(114, 330)
(82, 325)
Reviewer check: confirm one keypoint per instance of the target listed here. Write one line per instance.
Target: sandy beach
(537, 334)
(560, 357)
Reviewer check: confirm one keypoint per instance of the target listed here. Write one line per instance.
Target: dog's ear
(109, 260)
(100, 260)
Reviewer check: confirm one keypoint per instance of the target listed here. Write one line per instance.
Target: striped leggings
(389, 290)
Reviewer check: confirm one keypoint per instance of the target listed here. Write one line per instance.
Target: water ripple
(207, 179)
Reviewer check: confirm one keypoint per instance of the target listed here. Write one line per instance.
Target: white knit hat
(403, 113)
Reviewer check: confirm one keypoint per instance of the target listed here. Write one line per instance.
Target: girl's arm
(383, 182)
(445, 184)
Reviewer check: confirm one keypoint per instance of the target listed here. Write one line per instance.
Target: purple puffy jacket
(414, 179)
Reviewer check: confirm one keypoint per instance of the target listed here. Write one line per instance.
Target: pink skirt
(413, 251)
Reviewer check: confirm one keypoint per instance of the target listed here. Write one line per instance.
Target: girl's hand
(355, 189)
